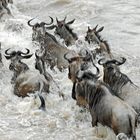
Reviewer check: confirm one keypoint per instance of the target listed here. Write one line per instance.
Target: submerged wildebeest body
(93, 36)
(51, 46)
(25, 81)
(64, 31)
(104, 107)
(120, 83)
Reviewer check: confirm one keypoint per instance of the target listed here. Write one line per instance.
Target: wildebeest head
(111, 65)
(78, 63)
(93, 35)
(39, 29)
(112, 74)
(64, 31)
(16, 57)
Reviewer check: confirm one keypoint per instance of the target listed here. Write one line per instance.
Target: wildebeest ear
(99, 30)
(89, 28)
(57, 20)
(95, 27)
(70, 22)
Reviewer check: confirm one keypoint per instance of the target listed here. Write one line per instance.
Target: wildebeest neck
(95, 95)
(18, 68)
(50, 37)
(92, 92)
(116, 80)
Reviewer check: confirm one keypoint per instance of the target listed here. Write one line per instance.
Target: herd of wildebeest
(110, 96)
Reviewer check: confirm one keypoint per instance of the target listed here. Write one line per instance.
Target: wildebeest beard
(116, 80)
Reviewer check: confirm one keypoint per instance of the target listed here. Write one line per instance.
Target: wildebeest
(24, 80)
(50, 44)
(104, 107)
(93, 36)
(79, 62)
(120, 83)
(64, 31)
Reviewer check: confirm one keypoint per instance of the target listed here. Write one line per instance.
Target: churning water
(20, 119)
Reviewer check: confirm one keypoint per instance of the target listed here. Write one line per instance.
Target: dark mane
(103, 41)
(89, 76)
(115, 80)
(98, 36)
(94, 94)
(51, 36)
(70, 31)
(107, 46)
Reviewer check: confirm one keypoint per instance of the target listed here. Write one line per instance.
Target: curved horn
(101, 63)
(27, 56)
(51, 27)
(30, 21)
(6, 52)
(10, 55)
(120, 62)
(113, 61)
(28, 51)
(50, 22)
(68, 59)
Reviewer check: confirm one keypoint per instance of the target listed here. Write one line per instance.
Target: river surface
(20, 119)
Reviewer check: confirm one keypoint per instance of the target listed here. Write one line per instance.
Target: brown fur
(25, 85)
(106, 108)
